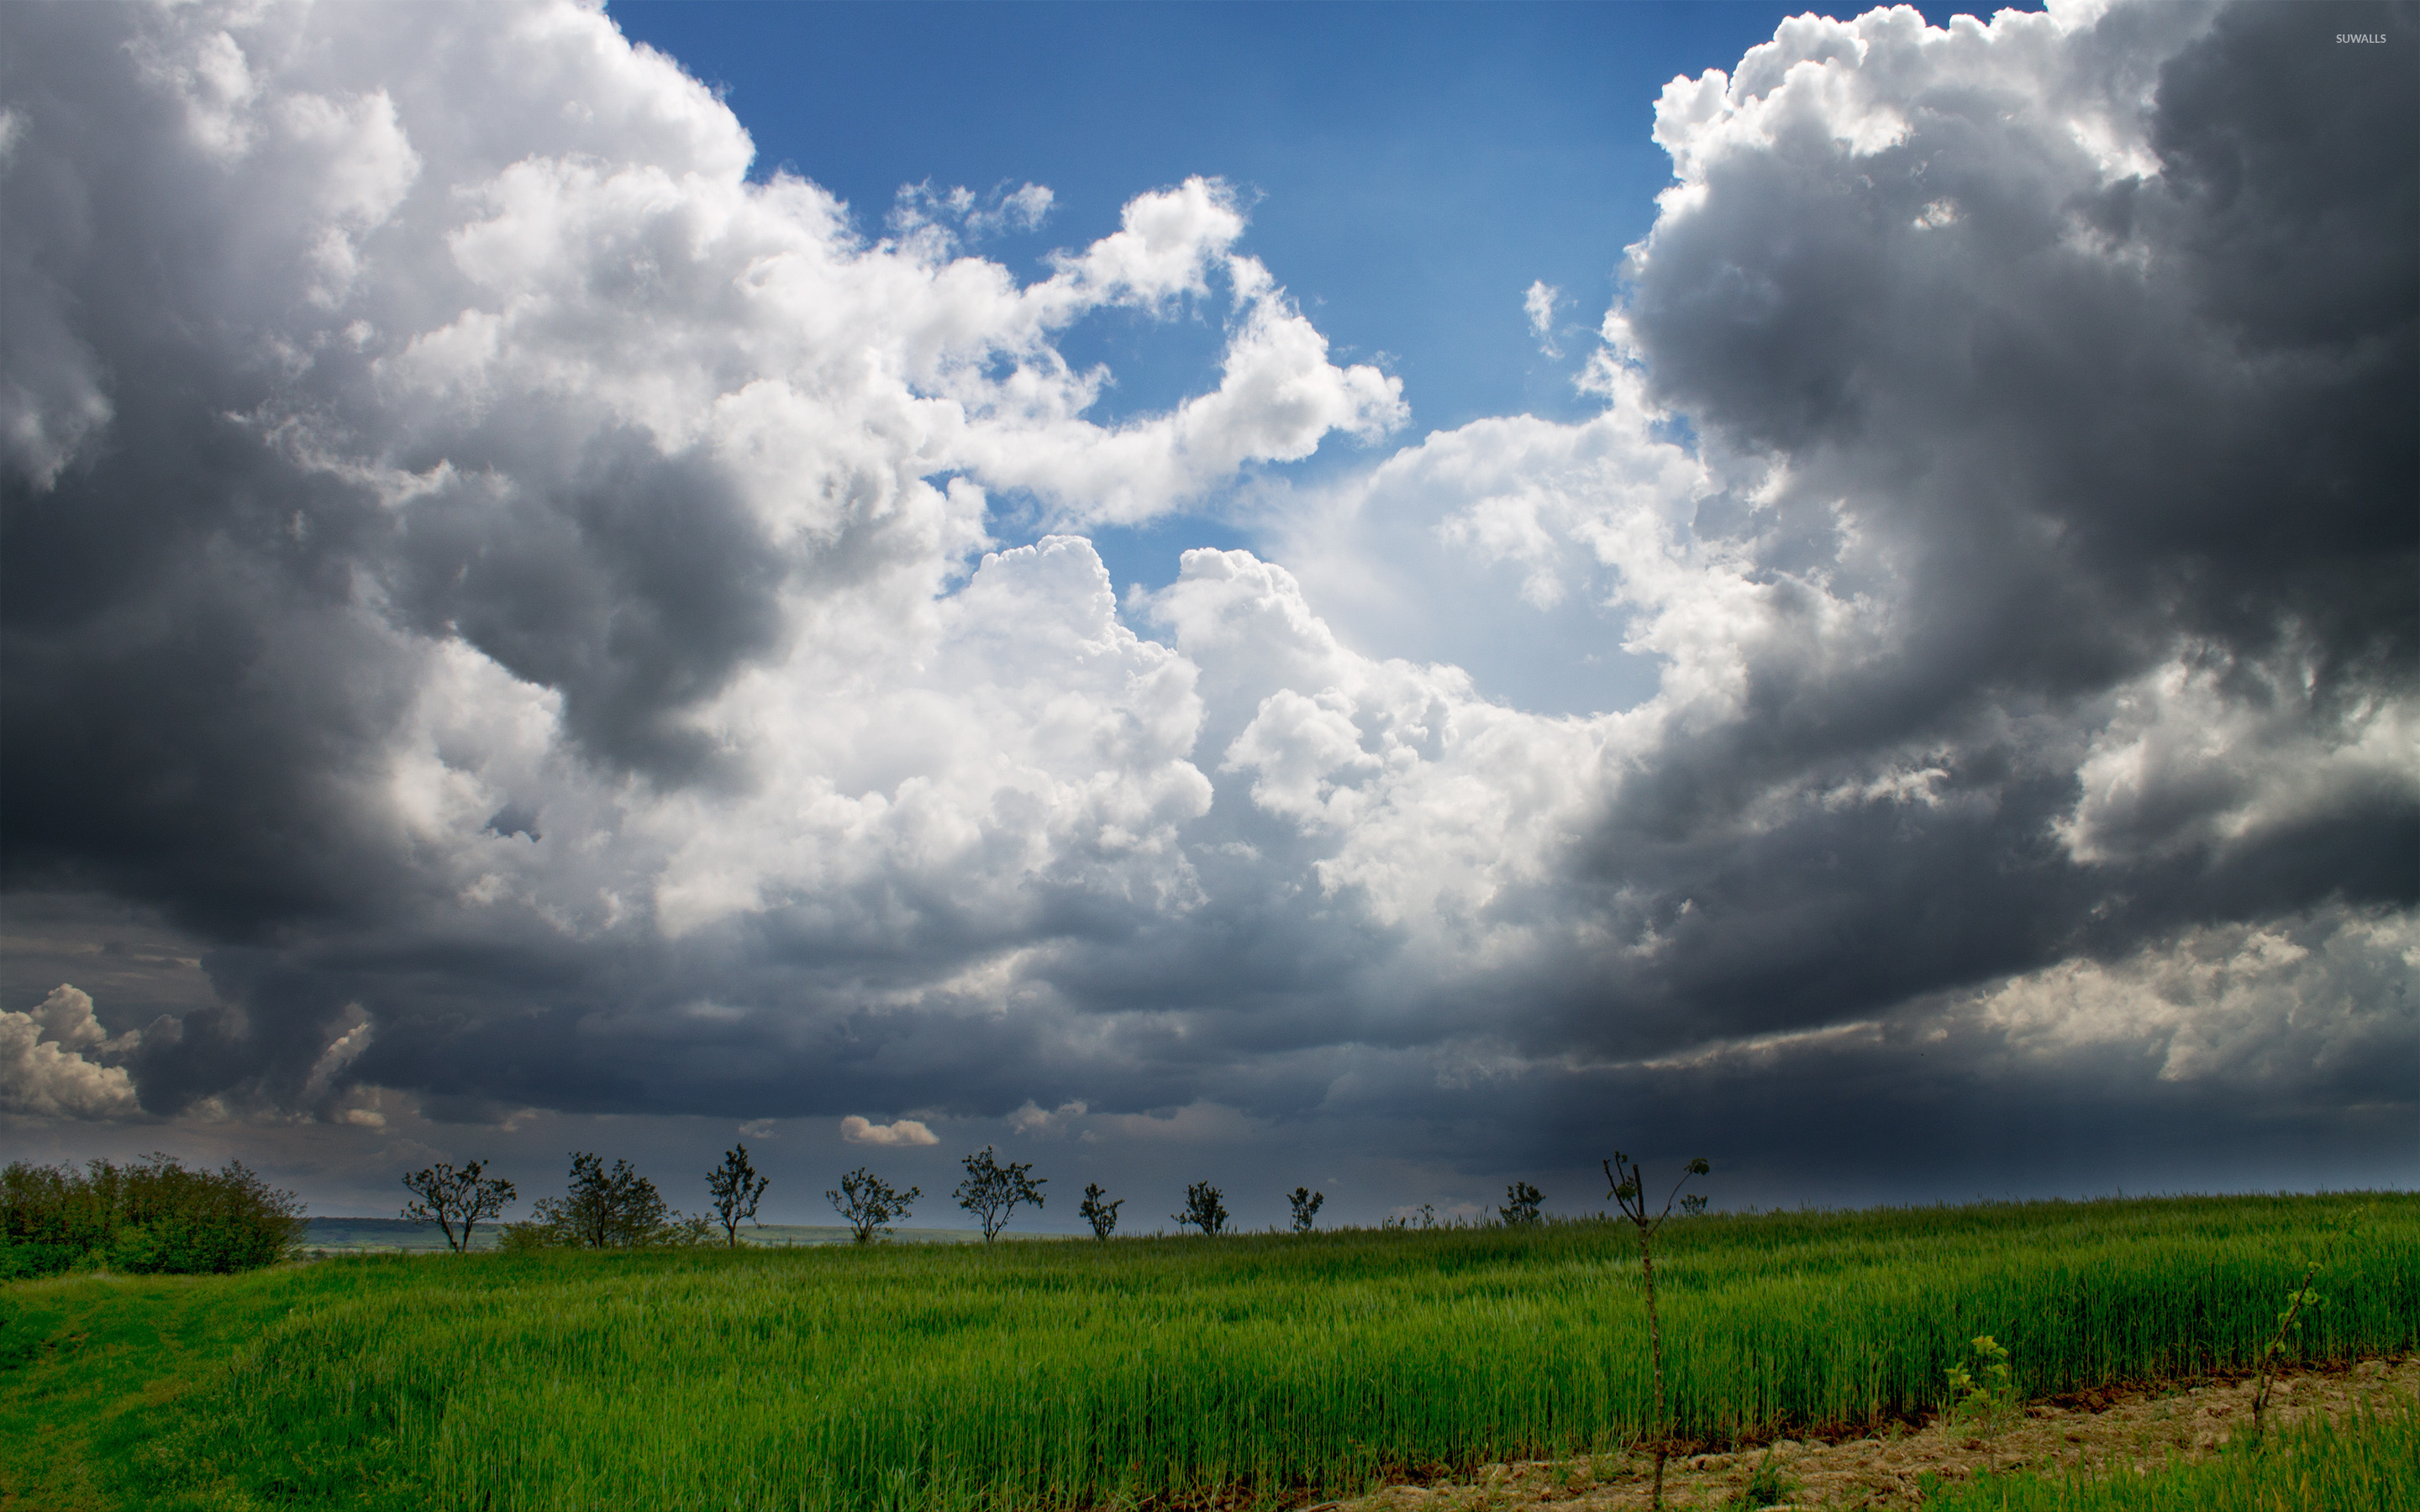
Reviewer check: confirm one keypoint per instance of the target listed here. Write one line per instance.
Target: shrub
(154, 1216)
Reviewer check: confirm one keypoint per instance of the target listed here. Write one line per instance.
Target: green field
(1274, 1367)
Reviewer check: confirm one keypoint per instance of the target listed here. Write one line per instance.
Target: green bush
(150, 1217)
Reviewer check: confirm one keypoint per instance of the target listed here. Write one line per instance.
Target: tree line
(619, 1209)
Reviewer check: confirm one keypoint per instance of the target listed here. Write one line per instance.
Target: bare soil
(2108, 1429)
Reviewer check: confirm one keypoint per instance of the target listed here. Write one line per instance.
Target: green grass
(2370, 1462)
(1076, 1374)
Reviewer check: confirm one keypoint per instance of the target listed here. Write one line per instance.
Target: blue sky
(1411, 168)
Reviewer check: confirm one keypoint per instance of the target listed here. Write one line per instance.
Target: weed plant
(1179, 1370)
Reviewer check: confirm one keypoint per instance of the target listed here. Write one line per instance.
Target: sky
(1396, 598)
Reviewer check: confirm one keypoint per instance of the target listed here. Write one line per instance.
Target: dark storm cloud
(503, 590)
(2093, 427)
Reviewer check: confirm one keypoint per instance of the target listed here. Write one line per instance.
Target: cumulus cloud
(535, 606)
(58, 1062)
(859, 1131)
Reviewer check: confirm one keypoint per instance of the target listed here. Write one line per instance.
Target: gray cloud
(515, 605)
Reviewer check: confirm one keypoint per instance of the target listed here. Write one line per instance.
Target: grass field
(1075, 1374)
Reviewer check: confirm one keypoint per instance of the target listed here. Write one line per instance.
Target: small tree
(869, 1204)
(1203, 1209)
(1630, 1190)
(1103, 1216)
(735, 1188)
(454, 1199)
(604, 1209)
(1520, 1206)
(1306, 1208)
(992, 1191)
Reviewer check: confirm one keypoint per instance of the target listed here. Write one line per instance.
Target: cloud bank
(546, 613)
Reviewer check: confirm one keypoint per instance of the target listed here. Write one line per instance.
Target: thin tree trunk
(1655, 1353)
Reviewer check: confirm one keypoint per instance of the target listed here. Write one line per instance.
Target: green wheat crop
(1078, 1375)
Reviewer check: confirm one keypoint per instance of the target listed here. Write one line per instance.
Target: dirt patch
(1883, 1470)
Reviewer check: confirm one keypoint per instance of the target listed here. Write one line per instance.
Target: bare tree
(1103, 1216)
(1203, 1209)
(1306, 1208)
(735, 1188)
(455, 1199)
(1630, 1190)
(992, 1191)
(1520, 1206)
(869, 1203)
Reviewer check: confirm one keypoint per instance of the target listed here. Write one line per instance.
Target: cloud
(1539, 305)
(58, 1062)
(534, 608)
(856, 1131)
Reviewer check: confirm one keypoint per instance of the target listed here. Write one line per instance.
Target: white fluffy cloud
(859, 1130)
(57, 1061)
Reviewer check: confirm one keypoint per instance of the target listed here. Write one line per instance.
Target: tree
(453, 1198)
(604, 1209)
(992, 1191)
(735, 1188)
(1520, 1206)
(1203, 1209)
(1630, 1190)
(1103, 1216)
(1306, 1208)
(869, 1203)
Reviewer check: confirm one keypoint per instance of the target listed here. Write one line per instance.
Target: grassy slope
(1071, 1373)
(89, 1363)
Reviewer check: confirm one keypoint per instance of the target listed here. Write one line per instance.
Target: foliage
(452, 1198)
(1169, 1371)
(1630, 1189)
(150, 1217)
(1103, 1216)
(992, 1191)
(869, 1203)
(735, 1188)
(1306, 1205)
(1521, 1202)
(604, 1209)
(1203, 1209)
(2370, 1460)
(1985, 1397)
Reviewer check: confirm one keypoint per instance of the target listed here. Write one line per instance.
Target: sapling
(1630, 1190)
(1520, 1206)
(1989, 1399)
(2291, 1321)
(1103, 1216)
(1203, 1209)
(1306, 1208)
